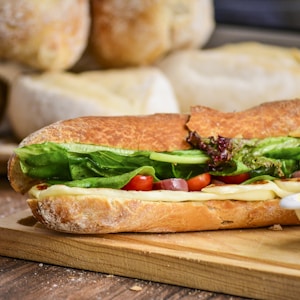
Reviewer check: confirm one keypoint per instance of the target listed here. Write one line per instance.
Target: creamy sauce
(292, 202)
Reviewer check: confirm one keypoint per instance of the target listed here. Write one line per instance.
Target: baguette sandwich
(206, 170)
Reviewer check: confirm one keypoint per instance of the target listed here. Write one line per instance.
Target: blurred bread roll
(45, 35)
(284, 56)
(38, 100)
(233, 77)
(3, 98)
(131, 33)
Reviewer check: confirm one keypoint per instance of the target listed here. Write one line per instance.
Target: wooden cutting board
(257, 263)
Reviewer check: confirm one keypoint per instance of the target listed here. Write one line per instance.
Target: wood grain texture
(29, 280)
(259, 263)
(24, 279)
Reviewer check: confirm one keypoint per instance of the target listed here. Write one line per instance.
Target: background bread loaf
(233, 77)
(54, 96)
(130, 33)
(46, 35)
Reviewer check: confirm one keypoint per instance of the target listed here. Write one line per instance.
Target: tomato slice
(139, 183)
(234, 179)
(198, 182)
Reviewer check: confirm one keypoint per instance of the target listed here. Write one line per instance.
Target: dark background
(269, 14)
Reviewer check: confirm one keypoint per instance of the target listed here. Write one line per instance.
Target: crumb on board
(136, 288)
(276, 227)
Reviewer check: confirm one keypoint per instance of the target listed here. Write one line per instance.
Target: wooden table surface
(21, 279)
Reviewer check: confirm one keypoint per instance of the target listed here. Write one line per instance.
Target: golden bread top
(157, 132)
(278, 118)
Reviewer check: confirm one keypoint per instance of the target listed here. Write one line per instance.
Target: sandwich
(206, 170)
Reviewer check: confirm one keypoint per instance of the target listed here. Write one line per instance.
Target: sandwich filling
(66, 168)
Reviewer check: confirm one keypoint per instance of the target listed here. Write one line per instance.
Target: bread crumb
(276, 227)
(136, 288)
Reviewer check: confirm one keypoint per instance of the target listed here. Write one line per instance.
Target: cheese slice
(263, 191)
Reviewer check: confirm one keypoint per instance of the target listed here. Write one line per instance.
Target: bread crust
(96, 214)
(269, 119)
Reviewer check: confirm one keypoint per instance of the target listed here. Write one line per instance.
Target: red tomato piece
(42, 186)
(198, 182)
(139, 183)
(234, 179)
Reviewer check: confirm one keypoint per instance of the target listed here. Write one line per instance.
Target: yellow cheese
(251, 192)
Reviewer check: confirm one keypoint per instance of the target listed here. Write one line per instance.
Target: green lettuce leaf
(115, 182)
(103, 166)
(97, 166)
(275, 156)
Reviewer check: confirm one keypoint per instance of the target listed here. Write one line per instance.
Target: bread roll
(38, 100)
(3, 98)
(46, 35)
(235, 77)
(130, 33)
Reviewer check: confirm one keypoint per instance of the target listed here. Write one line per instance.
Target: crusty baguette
(93, 213)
